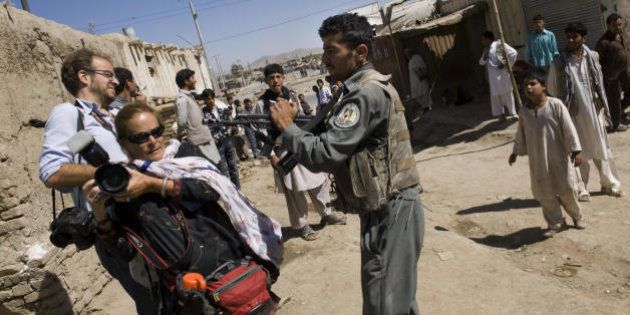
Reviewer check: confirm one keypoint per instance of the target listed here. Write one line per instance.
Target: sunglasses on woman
(142, 137)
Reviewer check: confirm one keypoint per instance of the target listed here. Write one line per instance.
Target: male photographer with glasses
(90, 78)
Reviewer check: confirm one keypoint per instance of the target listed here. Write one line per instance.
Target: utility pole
(192, 46)
(242, 70)
(90, 28)
(25, 6)
(203, 46)
(221, 75)
(519, 103)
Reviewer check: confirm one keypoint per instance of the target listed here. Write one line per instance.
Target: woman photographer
(167, 179)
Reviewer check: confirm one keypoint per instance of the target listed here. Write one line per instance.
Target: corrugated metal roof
(411, 24)
(452, 6)
(404, 13)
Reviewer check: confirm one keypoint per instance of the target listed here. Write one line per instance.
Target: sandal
(308, 234)
(584, 198)
(615, 192)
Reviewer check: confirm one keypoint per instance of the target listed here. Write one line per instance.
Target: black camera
(73, 226)
(76, 225)
(110, 178)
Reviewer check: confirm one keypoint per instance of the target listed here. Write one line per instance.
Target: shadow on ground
(514, 240)
(504, 205)
(444, 126)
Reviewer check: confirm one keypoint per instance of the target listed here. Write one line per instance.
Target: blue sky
(166, 20)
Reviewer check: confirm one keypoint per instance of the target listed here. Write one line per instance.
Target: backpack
(179, 243)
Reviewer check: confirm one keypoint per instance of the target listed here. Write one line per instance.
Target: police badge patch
(348, 116)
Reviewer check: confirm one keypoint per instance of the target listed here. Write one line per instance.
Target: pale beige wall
(31, 53)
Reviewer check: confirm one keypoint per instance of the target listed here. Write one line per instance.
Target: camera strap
(54, 203)
(80, 126)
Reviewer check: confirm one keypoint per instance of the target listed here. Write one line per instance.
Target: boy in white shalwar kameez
(548, 137)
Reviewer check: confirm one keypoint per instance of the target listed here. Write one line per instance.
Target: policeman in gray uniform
(363, 140)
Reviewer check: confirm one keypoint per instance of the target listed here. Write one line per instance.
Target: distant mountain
(300, 52)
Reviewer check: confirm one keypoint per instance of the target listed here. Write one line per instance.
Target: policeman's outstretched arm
(351, 126)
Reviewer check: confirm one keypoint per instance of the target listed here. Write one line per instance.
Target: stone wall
(36, 277)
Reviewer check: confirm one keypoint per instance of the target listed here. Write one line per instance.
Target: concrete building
(154, 65)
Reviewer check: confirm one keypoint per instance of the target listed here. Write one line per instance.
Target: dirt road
(483, 250)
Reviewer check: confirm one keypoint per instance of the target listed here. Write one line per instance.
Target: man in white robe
(418, 80)
(501, 90)
(576, 78)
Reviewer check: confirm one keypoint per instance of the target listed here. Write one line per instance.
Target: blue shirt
(60, 127)
(541, 48)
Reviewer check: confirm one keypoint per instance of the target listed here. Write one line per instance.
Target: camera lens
(112, 178)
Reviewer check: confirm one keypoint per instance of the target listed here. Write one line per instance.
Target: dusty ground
(483, 253)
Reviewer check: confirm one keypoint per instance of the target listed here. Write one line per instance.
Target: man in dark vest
(614, 62)
(363, 140)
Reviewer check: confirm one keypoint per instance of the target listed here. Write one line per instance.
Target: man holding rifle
(299, 180)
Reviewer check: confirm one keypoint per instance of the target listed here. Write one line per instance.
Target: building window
(152, 72)
(148, 58)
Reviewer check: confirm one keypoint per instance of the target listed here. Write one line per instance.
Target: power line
(156, 16)
(133, 18)
(281, 23)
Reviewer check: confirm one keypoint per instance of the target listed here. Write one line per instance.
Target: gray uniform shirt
(190, 120)
(358, 120)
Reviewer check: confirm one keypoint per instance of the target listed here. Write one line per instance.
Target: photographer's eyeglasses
(142, 137)
(106, 73)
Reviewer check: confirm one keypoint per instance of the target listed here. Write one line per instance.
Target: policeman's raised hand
(512, 159)
(282, 113)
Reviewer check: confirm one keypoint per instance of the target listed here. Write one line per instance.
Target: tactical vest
(379, 173)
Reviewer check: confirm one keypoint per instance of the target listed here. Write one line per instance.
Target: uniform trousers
(501, 101)
(391, 241)
(607, 177)
(298, 205)
(552, 209)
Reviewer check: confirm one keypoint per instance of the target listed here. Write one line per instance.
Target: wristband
(163, 190)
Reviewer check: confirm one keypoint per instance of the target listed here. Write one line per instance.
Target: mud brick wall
(57, 281)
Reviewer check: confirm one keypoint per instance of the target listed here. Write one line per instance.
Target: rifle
(260, 123)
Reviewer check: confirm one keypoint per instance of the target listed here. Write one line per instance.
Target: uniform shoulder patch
(348, 116)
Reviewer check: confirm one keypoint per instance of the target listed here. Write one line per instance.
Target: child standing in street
(548, 137)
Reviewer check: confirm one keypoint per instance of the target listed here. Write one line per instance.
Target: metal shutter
(559, 13)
